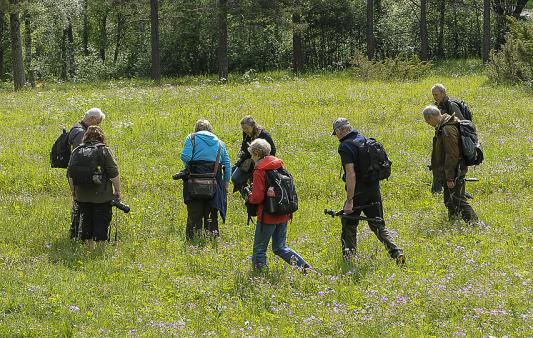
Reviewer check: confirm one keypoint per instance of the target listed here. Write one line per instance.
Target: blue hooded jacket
(205, 149)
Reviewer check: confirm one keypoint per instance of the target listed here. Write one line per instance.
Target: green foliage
(514, 62)
(459, 280)
(398, 68)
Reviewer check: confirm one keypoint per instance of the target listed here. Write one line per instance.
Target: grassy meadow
(458, 281)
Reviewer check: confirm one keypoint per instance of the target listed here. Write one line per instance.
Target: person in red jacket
(268, 226)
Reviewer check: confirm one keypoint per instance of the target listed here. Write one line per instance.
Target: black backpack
(463, 107)
(285, 200)
(60, 153)
(85, 167)
(470, 147)
(373, 163)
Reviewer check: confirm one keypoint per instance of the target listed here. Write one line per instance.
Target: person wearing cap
(92, 117)
(366, 195)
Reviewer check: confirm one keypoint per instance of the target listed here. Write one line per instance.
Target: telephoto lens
(121, 206)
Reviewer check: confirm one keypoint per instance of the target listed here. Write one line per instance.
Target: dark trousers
(199, 213)
(349, 226)
(456, 202)
(94, 220)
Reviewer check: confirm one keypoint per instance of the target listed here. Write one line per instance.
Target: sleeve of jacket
(451, 151)
(258, 188)
(110, 165)
(455, 109)
(269, 139)
(186, 152)
(76, 137)
(226, 162)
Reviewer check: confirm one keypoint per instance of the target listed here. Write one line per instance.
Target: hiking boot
(400, 260)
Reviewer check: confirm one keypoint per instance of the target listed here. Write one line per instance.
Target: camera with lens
(119, 205)
(182, 175)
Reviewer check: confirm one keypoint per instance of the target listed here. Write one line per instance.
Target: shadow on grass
(73, 254)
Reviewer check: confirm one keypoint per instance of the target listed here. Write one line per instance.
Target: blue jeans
(278, 232)
(239, 177)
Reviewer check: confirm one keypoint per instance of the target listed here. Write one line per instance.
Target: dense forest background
(88, 40)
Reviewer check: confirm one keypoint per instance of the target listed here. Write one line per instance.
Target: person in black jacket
(242, 170)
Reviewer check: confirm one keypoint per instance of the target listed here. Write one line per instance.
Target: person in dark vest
(359, 193)
(202, 160)
(442, 101)
(94, 200)
(92, 117)
(447, 165)
(242, 170)
(268, 226)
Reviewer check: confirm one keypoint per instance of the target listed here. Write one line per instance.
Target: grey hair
(260, 147)
(440, 87)
(202, 125)
(94, 112)
(430, 110)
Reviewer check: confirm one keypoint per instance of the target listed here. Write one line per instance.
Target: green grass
(458, 281)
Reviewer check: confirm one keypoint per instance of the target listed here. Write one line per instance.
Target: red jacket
(259, 188)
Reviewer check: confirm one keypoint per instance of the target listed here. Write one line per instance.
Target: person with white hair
(447, 164)
(269, 225)
(92, 117)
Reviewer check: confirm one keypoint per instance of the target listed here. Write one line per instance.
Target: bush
(399, 68)
(513, 64)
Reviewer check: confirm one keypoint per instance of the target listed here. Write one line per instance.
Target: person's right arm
(350, 187)
(257, 195)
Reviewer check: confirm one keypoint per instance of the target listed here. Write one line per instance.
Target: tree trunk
(103, 36)
(85, 33)
(2, 30)
(70, 51)
(424, 43)
(440, 39)
(455, 33)
(486, 30)
(27, 40)
(297, 50)
(120, 25)
(16, 48)
(222, 51)
(370, 39)
(154, 19)
(64, 64)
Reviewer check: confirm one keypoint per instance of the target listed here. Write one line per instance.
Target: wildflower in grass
(74, 308)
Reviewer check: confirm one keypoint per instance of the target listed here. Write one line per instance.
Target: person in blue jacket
(202, 160)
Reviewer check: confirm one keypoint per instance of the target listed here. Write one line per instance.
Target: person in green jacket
(447, 164)
(94, 197)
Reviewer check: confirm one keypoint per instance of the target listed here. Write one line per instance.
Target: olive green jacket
(101, 193)
(446, 154)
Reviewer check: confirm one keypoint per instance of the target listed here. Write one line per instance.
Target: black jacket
(244, 154)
